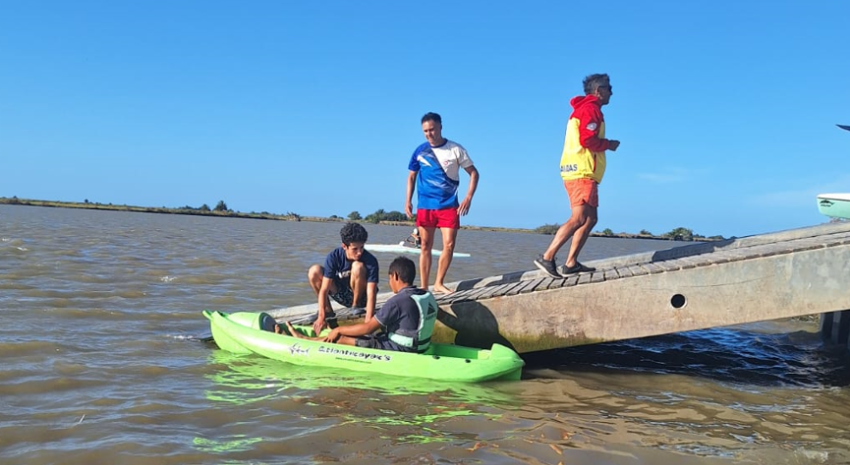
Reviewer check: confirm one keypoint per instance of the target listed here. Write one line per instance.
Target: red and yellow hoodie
(584, 144)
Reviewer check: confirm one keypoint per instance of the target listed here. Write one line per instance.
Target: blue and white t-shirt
(439, 173)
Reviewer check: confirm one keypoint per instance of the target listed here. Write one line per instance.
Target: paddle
(844, 127)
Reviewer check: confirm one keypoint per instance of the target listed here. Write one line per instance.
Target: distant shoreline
(273, 216)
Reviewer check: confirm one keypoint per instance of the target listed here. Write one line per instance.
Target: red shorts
(582, 192)
(444, 218)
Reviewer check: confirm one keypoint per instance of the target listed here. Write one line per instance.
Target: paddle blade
(844, 127)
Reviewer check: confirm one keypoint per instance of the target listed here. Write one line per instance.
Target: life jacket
(419, 340)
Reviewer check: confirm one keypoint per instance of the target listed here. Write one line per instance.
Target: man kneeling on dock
(407, 318)
(350, 277)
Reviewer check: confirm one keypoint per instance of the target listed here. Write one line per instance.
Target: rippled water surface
(102, 364)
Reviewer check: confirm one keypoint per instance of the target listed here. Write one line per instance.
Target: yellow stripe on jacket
(578, 162)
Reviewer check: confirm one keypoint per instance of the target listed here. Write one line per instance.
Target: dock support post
(835, 326)
(827, 320)
(841, 328)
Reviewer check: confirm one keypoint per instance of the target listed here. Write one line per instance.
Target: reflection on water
(397, 410)
(249, 378)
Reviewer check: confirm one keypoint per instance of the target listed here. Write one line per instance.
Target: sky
(726, 110)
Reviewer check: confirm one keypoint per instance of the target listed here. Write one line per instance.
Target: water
(101, 364)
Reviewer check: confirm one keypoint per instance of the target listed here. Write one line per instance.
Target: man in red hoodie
(582, 168)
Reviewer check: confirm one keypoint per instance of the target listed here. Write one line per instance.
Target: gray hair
(592, 82)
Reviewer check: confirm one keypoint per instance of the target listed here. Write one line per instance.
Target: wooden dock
(741, 280)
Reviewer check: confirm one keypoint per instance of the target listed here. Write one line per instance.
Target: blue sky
(726, 110)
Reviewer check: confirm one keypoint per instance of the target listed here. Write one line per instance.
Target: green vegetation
(220, 209)
(378, 217)
(549, 229)
(678, 234)
(381, 216)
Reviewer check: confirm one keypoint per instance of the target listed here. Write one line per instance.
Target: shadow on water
(730, 355)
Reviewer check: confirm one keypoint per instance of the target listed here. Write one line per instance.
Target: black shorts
(344, 295)
(372, 341)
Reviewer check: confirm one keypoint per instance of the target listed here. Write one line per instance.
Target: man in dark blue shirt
(349, 276)
(407, 318)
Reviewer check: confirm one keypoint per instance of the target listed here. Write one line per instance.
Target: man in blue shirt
(434, 171)
(407, 319)
(349, 276)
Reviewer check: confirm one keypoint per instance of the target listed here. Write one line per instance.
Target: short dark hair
(592, 82)
(353, 232)
(404, 268)
(431, 116)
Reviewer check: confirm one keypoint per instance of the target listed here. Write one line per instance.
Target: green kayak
(253, 333)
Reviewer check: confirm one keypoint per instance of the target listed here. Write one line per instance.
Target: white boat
(834, 205)
(401, 248)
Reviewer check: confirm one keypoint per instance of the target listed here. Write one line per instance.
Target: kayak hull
(834, 205)
(253, 333)
(401, 248)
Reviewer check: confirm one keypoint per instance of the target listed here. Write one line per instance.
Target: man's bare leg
(449, 237)
(295, 333)
(564, 233)
(345, 340)
(358, 283)
(581, 235)
(426, 235)
(314, 277)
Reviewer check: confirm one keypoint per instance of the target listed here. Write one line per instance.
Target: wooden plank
(770, 250)
(556, 283)
(495, 291)
(456, 296)
(535, 284)
(841, 241)
(571, 281)
(686, 263)
(514, 289)
(809, 244)
(653, 268)
(624, 272)
(478, 292)
(596, 276)
(669, 265)
(737, 255)
(530, 285)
